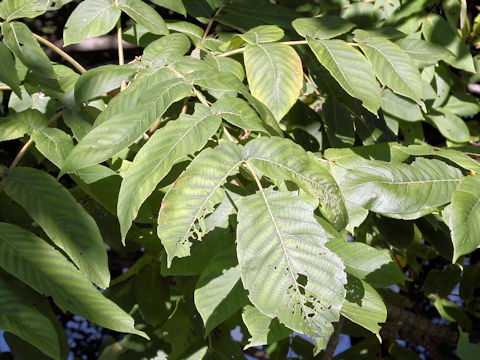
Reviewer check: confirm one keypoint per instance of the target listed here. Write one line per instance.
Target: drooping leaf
(282, 159)
(121, 130)
(286, 266)
(450, 125)
(364, 305)
(193, 197)
(144, 15)
(165, 50)
(69, 226)
(393, 67)
(17, 9)
(26, 314)
(8, 73)
(465, 217)
(367, 263)
(19, 39)
(54, 144)
(275, 76)
(171, 143)
(438, 31)
(90, 18)
(324, 27)
(45, 269)
(350, 68)
(21, 123)
(339, 123)
(424, 52)
(262, 328)
(400, 191)
(101, 80)
(219, 292)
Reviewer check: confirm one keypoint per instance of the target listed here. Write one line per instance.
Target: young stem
(212, 20)
(242, 49)
(6, 88)
(60, 52)
(29, 143)
(121, 57)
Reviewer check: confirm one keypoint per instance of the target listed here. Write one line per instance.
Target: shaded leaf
(21, 123)
(8, 73)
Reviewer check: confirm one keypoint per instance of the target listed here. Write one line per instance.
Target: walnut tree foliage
(286, 169)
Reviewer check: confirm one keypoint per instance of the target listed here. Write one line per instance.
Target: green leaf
(174, 5)
(339, 123)
(367, 263)
(263, 329)
(275, 76)
(26, 314)
(282, 159)
(442, 281)
(465, 217)
(19, 39)
(165, 50)
(424, 52)
(237, 112)
(364, 305)
(465, 349)
(8, 73)
(54, 144)
(219, 292)
(438, 31)
(286, 266)
(398, 190)
(144, 15)
(259, 35)
(69, 226)
(450, 125)
(324, 27)
(19, 124)
(393, 67)
(17, 9)
(167, 146)
(350, 68)
(91, 18)
(101, 80)
(400, 107)
(119, 131)
(193, 196)
(45, 269)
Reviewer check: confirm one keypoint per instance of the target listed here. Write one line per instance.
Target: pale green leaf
(282, 159)
(26, 314)
(144, 15)
(119, 131)
(168, 145)
(450, 125)
(219, 292)
(45, 269)
(19, 124)
(101, 80)
(69, 226)
(393, 67)
(367, 263)
(364, 305)
(324, 27)
(286, 268)
(401, 107)
(17, 9)
(54, 144)
(165, 50)
(400, 191)
(465, 217)
(237, 112)
(193, 196)
(259, 34)
(263, 329)
(91, 18)
(275, 76)
(194, 32)
(19, 39)
(350, 68)
(8, 73)
(174, 5)
(424, 52)
(462, 105)
(439, 32)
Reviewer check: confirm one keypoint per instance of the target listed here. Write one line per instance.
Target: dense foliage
(284, 170)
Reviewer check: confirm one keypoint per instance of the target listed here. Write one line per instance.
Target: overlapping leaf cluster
(257, 165)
